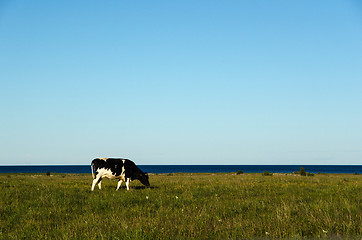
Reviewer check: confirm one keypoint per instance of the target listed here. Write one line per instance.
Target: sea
(156, 169)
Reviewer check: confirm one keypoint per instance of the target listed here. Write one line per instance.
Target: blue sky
(181, 82)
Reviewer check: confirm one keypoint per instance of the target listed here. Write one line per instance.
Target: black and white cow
(117, 168)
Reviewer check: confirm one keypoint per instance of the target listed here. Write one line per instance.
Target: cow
(117, 168)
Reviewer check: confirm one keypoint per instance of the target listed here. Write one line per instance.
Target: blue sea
(191, 168)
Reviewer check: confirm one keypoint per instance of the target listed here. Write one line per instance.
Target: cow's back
(116, 165)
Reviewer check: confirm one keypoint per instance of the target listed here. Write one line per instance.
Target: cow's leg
(95, 181)
(100, 183)
(119, 184)
(127, 184)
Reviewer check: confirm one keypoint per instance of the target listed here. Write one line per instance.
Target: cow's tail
(92, 166)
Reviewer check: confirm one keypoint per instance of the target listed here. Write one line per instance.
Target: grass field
(182, 206)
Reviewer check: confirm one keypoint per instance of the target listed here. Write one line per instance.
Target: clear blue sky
(181, 82)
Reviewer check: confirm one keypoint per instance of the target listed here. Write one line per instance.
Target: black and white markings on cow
(117, 168)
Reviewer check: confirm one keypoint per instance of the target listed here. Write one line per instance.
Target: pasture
(182, 206)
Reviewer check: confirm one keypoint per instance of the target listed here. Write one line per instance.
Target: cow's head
(144, 179)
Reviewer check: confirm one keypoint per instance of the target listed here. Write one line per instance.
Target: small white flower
(266, 233)
(324, 231)
(176, 197)
(147, 197)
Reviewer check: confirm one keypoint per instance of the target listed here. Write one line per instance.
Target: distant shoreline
(157, 169)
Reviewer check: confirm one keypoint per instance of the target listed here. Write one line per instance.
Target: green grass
(182, 206)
